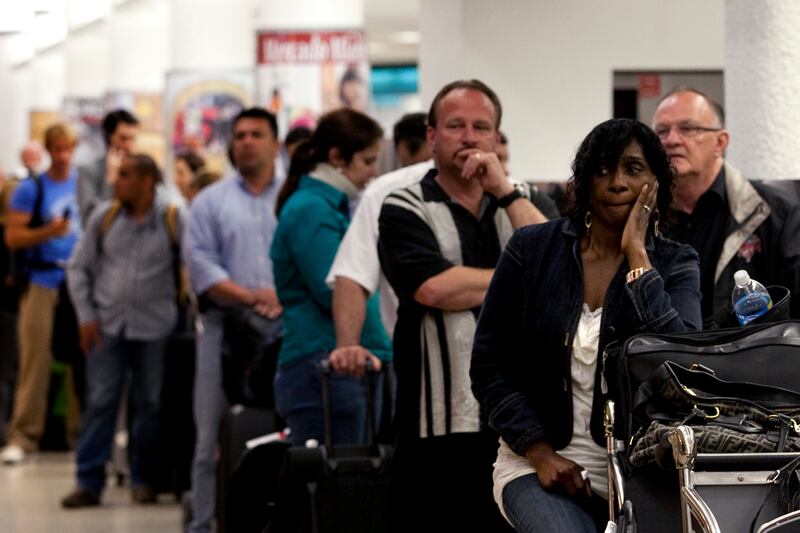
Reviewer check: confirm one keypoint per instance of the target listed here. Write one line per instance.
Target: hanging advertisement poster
(302, 74)
(85, 115)
(199, 109)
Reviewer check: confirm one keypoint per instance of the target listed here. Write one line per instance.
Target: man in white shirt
(356, 271)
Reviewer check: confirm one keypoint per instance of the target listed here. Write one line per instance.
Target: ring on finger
(646, 208)
(584, 474)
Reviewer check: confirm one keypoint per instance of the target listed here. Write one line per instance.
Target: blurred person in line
(326, 174)
(187, 166)
(203, 179)
(31, 158)
(503, 153)
(732, 222)
(560, 294)
(8, 296)
(8, 312)
(96, 180)
(439, 241)
(226, 252)
(409, 139)
(296, 136)
(122, 280)
(42, 219)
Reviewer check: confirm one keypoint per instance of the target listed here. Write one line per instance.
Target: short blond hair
(59, 132)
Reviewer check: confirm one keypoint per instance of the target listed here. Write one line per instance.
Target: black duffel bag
(768, 354)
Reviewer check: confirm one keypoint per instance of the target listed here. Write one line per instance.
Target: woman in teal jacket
(313, 209)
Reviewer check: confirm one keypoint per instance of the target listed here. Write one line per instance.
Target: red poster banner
(277, 48)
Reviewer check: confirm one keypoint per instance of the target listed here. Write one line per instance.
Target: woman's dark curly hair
(602, 148)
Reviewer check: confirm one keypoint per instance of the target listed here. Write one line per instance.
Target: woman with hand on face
(325, 176)
(561, 292)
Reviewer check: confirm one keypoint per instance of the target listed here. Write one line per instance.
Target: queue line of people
(459, 251)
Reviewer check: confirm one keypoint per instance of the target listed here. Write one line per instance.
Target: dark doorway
(625, 103)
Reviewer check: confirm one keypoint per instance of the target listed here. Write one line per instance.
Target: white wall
(139, 44)
(212, 34)
(552, 61)
(86, 53)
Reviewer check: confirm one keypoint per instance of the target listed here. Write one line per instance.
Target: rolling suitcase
(336, 488)
(253, 491)
(239, 425)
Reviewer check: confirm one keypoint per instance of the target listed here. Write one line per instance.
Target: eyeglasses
(683, 130)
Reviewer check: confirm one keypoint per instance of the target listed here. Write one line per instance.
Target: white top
(582, 448)
(357, 257)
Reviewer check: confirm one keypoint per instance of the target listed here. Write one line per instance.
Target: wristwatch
(518, 192)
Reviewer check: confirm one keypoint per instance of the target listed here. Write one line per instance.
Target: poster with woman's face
(303, 74)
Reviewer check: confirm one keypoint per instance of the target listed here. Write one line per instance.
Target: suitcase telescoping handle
(327, 409)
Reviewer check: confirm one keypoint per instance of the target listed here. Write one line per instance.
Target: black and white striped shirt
(422, 234)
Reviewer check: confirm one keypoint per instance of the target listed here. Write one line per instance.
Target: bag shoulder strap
(36, 215)
(179, 273)
(171, 219)
(105, 224)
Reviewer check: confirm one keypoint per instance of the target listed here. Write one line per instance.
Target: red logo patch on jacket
(749, 248)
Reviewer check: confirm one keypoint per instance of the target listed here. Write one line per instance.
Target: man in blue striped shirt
(226, 252)
(122, 279)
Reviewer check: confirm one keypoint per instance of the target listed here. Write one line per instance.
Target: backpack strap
(171, 219)
(181, 277)
(36, 216)
(105, 224)
(34, 255)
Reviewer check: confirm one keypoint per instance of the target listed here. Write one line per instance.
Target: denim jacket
(521, 358)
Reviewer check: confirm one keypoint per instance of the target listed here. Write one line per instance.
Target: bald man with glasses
(732, 222)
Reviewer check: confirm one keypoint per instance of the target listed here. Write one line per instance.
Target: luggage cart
(703, 492)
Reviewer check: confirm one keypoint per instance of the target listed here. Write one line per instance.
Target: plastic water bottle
(750, 298)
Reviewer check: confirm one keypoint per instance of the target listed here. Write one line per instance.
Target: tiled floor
(30, 496)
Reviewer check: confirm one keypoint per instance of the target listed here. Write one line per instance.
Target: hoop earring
(587, 221)
(656, 220)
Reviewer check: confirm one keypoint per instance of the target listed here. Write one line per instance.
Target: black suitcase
(336, 488)
(239, 425)
(253, 490)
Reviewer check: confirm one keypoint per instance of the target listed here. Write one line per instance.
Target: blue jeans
(209, 405)
(106, 369)
(531, 509)
(298, 399)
